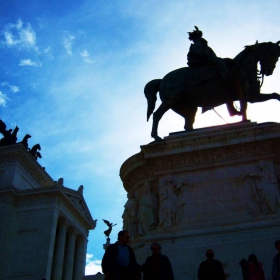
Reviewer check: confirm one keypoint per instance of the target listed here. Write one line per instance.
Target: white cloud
(86, 57)
(3, 99)
(12, 88)
(93, 266)
(48, 52)
(29, 62)
(84, 53)
(67, 42)
(20, 35)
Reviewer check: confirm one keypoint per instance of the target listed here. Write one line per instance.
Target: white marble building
(44, 225)
(210, 188)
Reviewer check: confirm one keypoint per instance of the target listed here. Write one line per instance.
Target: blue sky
(72, 75)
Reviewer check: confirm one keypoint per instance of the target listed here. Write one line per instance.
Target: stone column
(69, 254)
(79, 258)
(59, 250)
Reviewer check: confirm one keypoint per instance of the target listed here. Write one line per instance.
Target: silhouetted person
(211, 269)
(119, 262)
(245, 269)
(157, 266)
(255, 268)
(276, 262)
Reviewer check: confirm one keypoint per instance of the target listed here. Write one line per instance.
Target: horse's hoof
(157, 139)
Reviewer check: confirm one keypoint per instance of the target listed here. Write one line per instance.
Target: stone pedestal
(210, 188)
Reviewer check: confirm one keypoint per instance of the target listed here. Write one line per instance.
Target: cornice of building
(18, 154)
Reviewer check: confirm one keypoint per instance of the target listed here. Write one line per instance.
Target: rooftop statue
(24, 141)
(210, 81)
(10, 136)
(34, 151)
(109, 230)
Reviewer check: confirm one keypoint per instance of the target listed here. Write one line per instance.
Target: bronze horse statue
(179, 92)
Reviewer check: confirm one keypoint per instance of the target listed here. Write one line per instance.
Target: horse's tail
(150, 91)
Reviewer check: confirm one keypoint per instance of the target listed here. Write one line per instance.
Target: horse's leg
(243, 106)
(264, 97)
(241, 87)
(189, 116)
(164, 106)
(232, 110)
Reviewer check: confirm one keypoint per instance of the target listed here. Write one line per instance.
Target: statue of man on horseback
(210, 81)
(201, 55)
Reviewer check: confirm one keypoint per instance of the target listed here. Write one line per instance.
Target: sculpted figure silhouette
(217, 82)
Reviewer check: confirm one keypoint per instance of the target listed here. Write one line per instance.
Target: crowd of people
(119, 263)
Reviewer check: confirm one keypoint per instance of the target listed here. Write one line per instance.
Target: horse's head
(269, 57)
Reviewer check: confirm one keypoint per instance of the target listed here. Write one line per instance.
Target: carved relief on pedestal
(148, 211)
(174, 201)
(130, 216)
(168, 204)
(264, 187)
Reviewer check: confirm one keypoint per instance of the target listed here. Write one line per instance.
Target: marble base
(210, 188)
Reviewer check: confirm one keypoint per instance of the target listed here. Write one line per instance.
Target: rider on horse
(200, 54)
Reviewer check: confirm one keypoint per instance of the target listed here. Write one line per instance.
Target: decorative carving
(265, 188)
(148, 211)
(34, 201)
(168, 205)
(181, 190)
(130, 216)
(78, 202)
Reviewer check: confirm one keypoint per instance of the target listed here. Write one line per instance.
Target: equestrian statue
(210, 81)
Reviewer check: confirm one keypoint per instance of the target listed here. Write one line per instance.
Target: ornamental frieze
(36, 200)
(192, 140)
(199, 159)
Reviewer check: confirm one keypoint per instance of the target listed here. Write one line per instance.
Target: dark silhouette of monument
(10, 138)
(109, 230)
(210, 81)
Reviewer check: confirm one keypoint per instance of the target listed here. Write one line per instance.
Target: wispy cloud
(48, 52)
(86, 56)
(93, 266)
(3, 99)
(20, 35)
(67, 42)
(29, 62)
(12, 88)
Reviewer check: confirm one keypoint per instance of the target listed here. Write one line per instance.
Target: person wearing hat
(200, 54)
